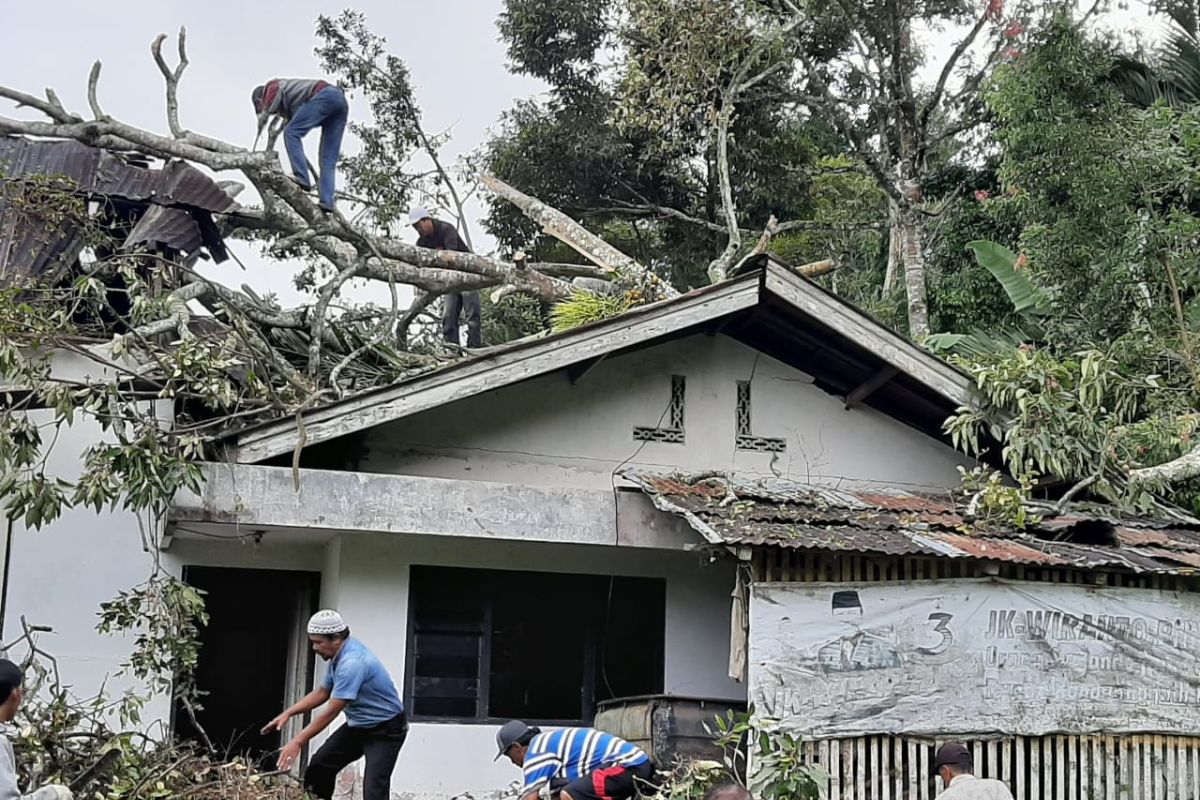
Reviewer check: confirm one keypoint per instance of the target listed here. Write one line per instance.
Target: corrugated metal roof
(171, 206)
(102, 173)
(771, 512)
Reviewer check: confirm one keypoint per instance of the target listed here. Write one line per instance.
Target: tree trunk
(912, 246)
(893, 252)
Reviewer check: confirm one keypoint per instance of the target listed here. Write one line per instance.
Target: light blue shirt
(358, 677)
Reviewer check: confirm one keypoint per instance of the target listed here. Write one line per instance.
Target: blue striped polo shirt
(571, 753)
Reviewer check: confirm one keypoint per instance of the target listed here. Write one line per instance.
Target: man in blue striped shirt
(575, 763)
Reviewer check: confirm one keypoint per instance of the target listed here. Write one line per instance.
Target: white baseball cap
(326, 622)
(416, 214)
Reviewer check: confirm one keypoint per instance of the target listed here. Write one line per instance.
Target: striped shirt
(571, 753)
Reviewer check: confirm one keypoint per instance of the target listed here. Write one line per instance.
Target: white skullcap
(326, 622)
(416, 214)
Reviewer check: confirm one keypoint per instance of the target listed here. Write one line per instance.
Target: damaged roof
(770, 512)
(169, 207)
(771, 309)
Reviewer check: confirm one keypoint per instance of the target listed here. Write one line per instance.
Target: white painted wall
(550, 432)
(448, 759)
(59, 575)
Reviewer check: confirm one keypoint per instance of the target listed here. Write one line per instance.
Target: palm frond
(585, 307)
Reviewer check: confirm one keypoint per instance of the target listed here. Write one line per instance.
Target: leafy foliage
(83, 743)
(380, 173)
(1101, 191)
(1028, 303)
(151, 400)
(587, 307)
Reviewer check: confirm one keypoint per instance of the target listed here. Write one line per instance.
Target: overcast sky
(452, 49)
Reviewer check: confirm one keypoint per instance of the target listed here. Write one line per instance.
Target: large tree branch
(176, 320)
(666, 212)
(948, 69)
(287, 210)
(51, 107)
(583, 241)
(719, 266)
(1186, 467)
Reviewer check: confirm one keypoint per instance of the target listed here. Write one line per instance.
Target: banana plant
(1029, 302)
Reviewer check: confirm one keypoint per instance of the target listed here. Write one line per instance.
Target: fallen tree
(295, 225)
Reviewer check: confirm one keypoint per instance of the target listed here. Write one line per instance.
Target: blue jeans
(329, 110)
(457, 305)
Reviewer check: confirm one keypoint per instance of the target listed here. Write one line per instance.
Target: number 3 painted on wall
(942, 627)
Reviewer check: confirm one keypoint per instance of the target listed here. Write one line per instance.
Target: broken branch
(172, 79)
(92, 89)
(571, 233)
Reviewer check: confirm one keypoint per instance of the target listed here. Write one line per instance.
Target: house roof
(771, 309)
(774, 513)
(171, 206)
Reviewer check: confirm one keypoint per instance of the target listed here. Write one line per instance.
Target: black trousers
(456, 305)
(380, 744)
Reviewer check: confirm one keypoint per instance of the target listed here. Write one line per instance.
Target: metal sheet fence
(1035, 768)
(1097, 767)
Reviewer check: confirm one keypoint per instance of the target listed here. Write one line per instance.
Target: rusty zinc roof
(171, 206)
(770, 512)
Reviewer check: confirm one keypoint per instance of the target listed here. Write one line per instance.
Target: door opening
(254, 658)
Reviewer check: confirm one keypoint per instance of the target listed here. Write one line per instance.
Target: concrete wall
(550, 432)
(448, 759)
(59, 575)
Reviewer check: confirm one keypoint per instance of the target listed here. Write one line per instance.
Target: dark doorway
(254, 657)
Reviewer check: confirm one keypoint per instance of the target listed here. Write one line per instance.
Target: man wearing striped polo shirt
(574, 763)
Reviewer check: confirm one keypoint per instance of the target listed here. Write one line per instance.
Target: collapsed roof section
(168, 209)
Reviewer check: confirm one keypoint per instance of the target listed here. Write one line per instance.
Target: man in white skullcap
(357, 684)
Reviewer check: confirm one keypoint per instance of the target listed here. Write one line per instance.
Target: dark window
(489, 645)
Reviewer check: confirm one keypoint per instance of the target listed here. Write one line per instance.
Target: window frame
(590, 658)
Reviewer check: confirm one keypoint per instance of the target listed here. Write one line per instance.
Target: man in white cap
(357, 684)
(438, 235)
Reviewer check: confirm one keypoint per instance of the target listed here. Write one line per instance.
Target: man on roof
(439, 235)
(574, 763)
(358, 684)
(306, 104)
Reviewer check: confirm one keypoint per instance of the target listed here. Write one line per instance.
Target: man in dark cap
(576, 763)
(306, 104)
(12, 692)
(953, 763)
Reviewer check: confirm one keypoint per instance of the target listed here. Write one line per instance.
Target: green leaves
(1028, 302)
(584, 308)
(780, 769)
(1003, 264)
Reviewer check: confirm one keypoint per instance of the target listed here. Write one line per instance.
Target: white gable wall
(549, 432)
